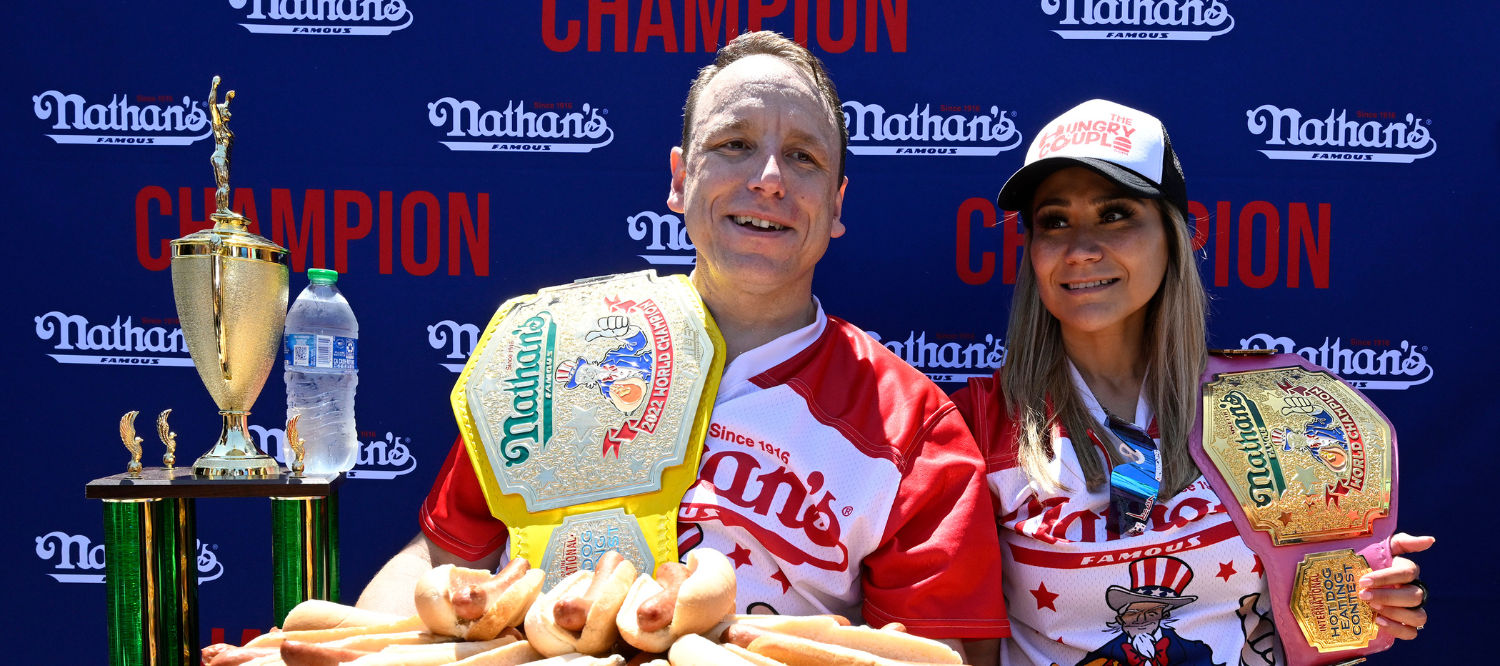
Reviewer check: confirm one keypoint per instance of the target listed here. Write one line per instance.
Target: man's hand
(393, 590)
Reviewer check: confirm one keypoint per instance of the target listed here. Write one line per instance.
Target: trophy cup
(231, 290)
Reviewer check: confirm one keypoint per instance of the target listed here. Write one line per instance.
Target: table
(150, 537)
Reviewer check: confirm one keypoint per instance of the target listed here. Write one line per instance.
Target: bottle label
(331, 352)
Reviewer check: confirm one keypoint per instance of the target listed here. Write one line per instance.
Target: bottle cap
(322, 275)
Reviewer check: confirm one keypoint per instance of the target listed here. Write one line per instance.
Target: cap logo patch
(1113, 133)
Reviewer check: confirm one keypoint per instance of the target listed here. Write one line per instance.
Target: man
(835, 477)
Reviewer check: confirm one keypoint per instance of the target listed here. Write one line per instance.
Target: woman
(1111, 559)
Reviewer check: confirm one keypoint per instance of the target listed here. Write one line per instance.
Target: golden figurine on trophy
(231, 291)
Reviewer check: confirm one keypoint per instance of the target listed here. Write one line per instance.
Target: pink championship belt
(1306, 467)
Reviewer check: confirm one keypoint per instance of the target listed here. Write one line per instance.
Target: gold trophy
(231, 290)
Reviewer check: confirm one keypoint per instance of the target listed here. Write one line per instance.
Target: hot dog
(579, 614)
(474, 605)
(829, 630)
(695, 650)
(297, 653)
(874, 650)
(681, 600)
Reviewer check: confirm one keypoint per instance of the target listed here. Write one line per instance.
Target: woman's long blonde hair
(1036, 370)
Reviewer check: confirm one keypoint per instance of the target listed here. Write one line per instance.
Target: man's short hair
(766, 42)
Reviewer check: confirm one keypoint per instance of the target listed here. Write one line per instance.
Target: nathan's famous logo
(742, 485)
(1192, 20)
(528, 426)
(457, 339)
(141, 120)
(381, 458)
(669, 244)
(634, 375)
(954, 130)
(76, 340)
(1369, 136)
(1252, 440)
(77, 559)
(1364, 363)
(324, 17)
(556, 127)
(948, 357)
(1323, 437)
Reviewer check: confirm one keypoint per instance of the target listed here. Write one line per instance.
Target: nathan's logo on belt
(951, 130)
(520, 126)
(1264, 474)
(529, 424)
(1361, 136)
(324, 17)
(1364, 363)
(139, 120)
(123, 342)
(77, 559)
(1167, 20)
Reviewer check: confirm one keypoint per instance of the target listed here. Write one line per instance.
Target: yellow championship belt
(583, 409)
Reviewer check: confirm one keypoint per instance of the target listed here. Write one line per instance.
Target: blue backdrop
(445, 156)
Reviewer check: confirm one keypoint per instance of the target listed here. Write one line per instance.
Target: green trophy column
(130, 582)
(304, 538)
(177, 580)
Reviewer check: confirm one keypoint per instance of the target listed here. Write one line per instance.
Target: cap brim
(1018, 191)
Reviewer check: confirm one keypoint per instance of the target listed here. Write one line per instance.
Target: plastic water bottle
(320, 351)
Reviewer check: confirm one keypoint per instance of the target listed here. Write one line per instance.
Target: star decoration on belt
(780, 577)
(1226, 569)
(1044, 598)
(740, 556)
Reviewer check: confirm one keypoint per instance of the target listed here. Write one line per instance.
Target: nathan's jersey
(1078, 593)
(835, 477)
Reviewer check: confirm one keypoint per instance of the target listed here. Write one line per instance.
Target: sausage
(656, 613)
(572, 613)
(230, 655)
(298, 653)
(470, 601)
(742, 634)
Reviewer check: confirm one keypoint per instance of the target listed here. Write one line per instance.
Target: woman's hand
(1398, 603)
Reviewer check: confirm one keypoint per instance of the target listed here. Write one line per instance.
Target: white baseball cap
(1125, 145)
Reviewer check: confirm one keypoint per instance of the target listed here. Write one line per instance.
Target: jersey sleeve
(455, 515)
(937, 570)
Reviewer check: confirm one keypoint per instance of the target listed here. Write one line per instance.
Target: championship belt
(1306, 467)
(583, 409)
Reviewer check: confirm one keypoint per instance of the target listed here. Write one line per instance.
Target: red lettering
(162, 259)
(618, 9)
(386, 252)
(849, 30)
(1198, 217)
(963, 260)
(1267, 276)
(478, 236)
(760, 10)
(894, 13)
(343, 232)
(721, 14)
(666, 30)
(434, 254)
(549, 30)
(1314, 243)
(298, 241)
(1221, 245)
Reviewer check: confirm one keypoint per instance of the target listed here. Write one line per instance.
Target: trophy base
(248, 467)
(235, 456)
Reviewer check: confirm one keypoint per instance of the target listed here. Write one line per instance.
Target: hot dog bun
(695, 650)
(504, 598)
(318, 614)
(599, 632)
(705, 599)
